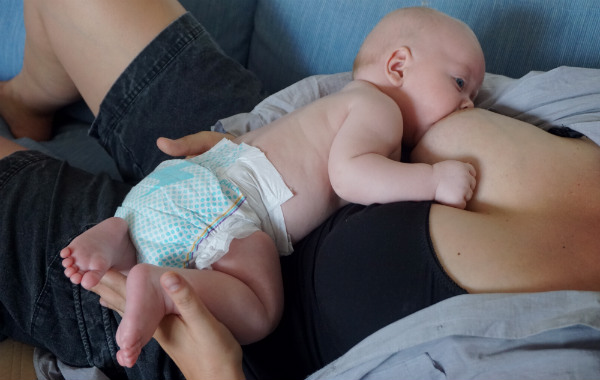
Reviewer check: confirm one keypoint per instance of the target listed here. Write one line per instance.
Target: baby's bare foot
(147, 304)
(78, 266)
(91, 254)
(24, 121)
(128, 355)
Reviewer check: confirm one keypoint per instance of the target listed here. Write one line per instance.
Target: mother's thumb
(182, 294)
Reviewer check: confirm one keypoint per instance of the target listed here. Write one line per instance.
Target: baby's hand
(455, 183)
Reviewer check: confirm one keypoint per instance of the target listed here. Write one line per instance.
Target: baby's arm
(364, 164)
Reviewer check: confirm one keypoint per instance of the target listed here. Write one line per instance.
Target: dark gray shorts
(179, 84)
(46, 203)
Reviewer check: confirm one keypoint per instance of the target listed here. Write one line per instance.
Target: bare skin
(356, 133)
(212, 341)
(65, 42)
(193, 333)
(314, 129)
(325, 135)
(243, 290)
(533, 222)
(8, 147)
(531, 225)
(80, 42)
(349, 137)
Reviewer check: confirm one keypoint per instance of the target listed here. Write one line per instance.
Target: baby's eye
(460, 82)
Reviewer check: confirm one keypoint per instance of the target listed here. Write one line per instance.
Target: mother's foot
(22, 120)
(91, 254)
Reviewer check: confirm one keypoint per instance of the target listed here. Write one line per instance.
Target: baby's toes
(128, 357)
(66, 252)
(71, 270)
(68, 262)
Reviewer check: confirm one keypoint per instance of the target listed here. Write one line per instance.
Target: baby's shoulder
(366, 93)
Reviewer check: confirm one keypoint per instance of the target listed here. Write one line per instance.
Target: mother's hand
(191, 145)
(201, 346)
(111, 290)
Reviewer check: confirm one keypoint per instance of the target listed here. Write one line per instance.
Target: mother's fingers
(201, 346)
(191, 145)
(192, 310)
(111, 290)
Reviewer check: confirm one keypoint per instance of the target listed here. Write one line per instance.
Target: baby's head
(430, 63)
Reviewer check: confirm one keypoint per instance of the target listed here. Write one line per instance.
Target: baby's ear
(396, 64)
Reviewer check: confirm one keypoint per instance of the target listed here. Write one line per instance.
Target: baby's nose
(466, 104)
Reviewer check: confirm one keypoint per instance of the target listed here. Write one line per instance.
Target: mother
(362, 269)
(532, 226)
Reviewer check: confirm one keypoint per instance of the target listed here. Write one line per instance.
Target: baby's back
(298, 145)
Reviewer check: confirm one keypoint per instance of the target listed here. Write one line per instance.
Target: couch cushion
(293, 39)
(12, 32)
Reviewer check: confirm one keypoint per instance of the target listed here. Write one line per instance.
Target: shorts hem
(14, 163)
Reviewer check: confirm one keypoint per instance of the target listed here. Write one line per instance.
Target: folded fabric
(551, 335)
(565, 96)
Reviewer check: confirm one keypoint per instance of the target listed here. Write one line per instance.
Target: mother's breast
(519, 166)
(533, 223)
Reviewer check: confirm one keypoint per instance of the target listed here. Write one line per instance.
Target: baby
(230, 212)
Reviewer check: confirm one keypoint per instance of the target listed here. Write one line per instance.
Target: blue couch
(286, 40)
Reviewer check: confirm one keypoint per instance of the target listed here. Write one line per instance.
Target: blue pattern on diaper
(173, 210)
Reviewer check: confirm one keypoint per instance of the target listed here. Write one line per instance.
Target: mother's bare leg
(73, 49)
(8, 147)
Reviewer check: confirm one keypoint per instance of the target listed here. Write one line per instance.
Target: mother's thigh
(44, 204)
(95, 40)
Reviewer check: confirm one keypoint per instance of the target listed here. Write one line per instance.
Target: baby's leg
(254, 305)
(146, 306)
(104, 246)
(244, 291)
